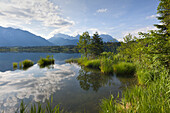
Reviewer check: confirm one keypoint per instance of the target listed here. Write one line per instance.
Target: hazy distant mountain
(17, 37)
(59, 41)
(62, 39)
(108, 38)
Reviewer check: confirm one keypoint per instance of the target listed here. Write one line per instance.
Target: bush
(124, 68)
(106, 65)
(27, 63)
(46, 61)
(15, 65)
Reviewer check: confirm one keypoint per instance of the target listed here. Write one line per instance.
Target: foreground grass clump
(15, 65)
(153, 97)
(124, 68)
(46, 61)
(37, 108)
(106, 65)
(27, 63)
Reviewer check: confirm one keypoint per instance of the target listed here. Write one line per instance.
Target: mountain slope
(17, 37)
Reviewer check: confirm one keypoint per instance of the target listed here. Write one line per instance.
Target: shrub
(15, 65)
(27, 63)
(124, 68)
(106, 65)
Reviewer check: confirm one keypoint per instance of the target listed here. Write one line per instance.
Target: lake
(75, 88)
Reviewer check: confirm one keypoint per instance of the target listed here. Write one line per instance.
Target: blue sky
(48, 17)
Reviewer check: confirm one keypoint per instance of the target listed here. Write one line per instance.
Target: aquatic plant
(72, 60)
(46, 61)
(15, 65)
(20, 65)
(37, 108)
(124, 68)
(106, 65)
(27, 63)
(93, 63)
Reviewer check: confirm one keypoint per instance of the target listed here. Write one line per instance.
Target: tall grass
(27, 63)
(46, 61)
(124, 68)
(106, 65)
(152, 97)
(37, 108)
(15, 65)
(93, 63)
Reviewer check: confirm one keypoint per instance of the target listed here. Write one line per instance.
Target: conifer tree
(96, 46)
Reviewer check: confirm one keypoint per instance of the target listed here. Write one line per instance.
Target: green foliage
(106, 65)
(124, 68)
(15, 65)
(93, 63)
(72, 60)
(27, 63)
(46, 61)
(37, 108)
(164, 17)
(108, 105)
(96, 46)
(83, 44)
(20, 65)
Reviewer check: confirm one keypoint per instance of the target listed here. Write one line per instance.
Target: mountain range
(10, 37)
(62, 39)
(17, 37)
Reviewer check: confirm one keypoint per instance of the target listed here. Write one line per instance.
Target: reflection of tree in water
(90, 79)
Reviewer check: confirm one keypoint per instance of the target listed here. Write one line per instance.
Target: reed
(37, 108)
(93, 63)
(124, 68)
(46, 61)
(15, 65)
(106, 65)
(27, 63)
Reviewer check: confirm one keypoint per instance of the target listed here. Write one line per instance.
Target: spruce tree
(96, 46)
(164, 17)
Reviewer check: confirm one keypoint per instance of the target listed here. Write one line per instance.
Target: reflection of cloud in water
(36, 83)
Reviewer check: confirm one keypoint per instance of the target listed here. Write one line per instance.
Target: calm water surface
(76, 89)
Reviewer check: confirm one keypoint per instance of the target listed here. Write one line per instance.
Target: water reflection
(95, 79)
(33, 84)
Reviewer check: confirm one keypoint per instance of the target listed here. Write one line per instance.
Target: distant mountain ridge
(63, 39)
(17, 37)
(10, 37)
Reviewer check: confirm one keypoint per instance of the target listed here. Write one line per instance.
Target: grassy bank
(106, 65)
(152, 97)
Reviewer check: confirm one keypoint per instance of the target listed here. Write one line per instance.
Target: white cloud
(16, 85)
(19, 12)
(64, 30)
(101, 10)
(136, 31)
(152, 16)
